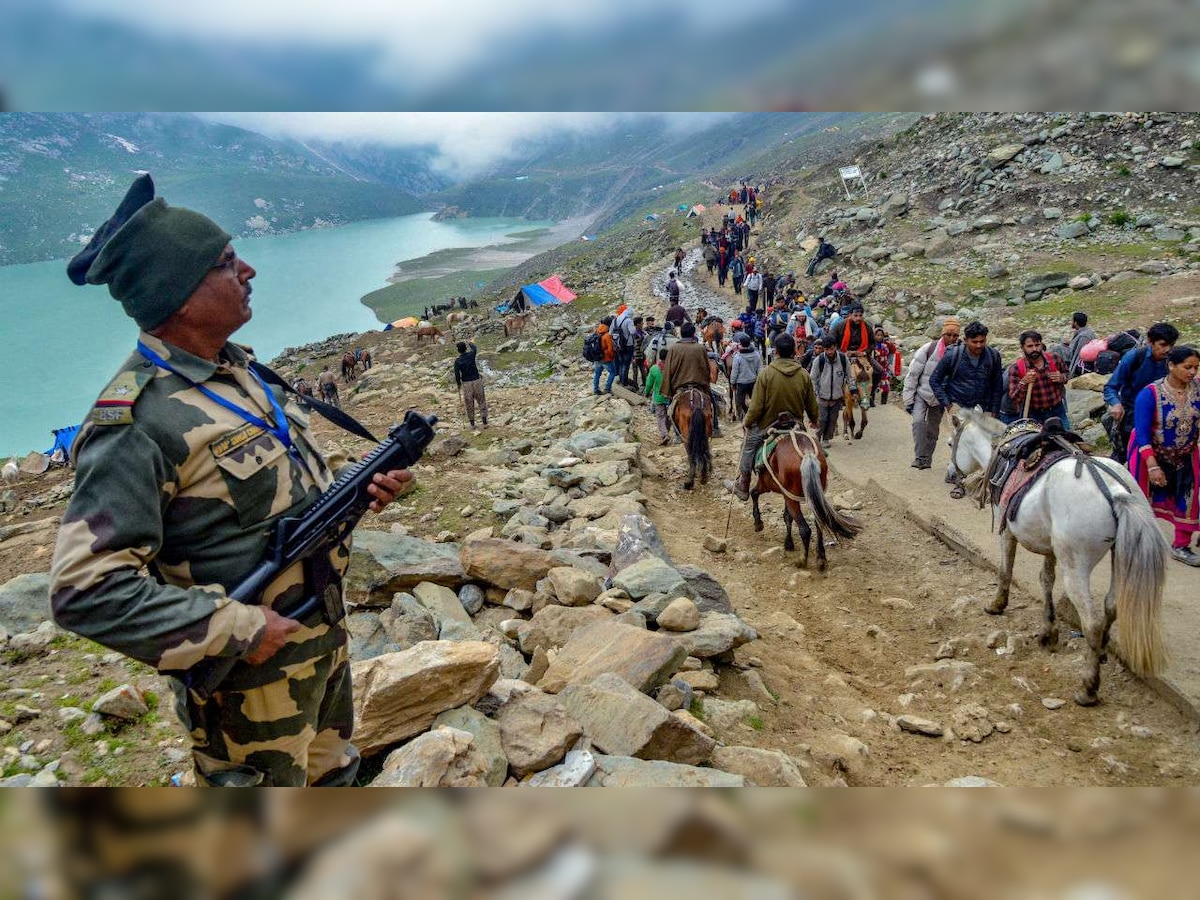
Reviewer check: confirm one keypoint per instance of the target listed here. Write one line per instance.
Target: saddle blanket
(1020, 480)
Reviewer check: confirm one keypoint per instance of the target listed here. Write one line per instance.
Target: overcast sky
(422, 42)
(467, 142)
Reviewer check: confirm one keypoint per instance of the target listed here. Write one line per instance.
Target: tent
(682, 207)
(652, 217)
(544, 293)
(695, 211)
(63, 439)
(406, 322)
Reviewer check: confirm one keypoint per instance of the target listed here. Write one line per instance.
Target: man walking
(1136, 369)
(919, 400)
(470, 382)
(970, 374)
(186, 458)
(783, 386)
(1036, 384)
(623, 339)
(737, 271)
(1081, 335)
(831, 379)
(327, 384)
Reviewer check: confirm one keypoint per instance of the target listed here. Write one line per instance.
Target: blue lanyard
(280, 431)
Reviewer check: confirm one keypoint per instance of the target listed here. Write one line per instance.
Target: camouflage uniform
(171, 480)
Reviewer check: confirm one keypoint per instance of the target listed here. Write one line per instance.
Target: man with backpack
(737, 271)
(1081, 335)
(830, 371)
(1137, 369)
(777, 321)
(1036, 384)
(623, 331)
(753, 284)
(969, 375)
(599, 351)
(637, 372)
(919, 401)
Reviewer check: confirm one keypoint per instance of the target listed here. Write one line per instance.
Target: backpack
(1023, 364)
(1106, 362)
(593, 348)
(1123, 341)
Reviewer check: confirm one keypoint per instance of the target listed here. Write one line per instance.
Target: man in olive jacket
(783, 386)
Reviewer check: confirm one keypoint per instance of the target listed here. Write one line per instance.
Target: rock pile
(561, 646)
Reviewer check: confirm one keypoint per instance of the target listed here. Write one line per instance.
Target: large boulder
(644, 659)
(552, 626)
(25, 602)
(706, 590)
(762, 768)
(1084, 405)
(573, 587)
(398, 695)
(444, 757)
(717, 633)
(1048, 281)
(384, 563)
(637, 539)
(536, 731)
(487, 739)
(627, 771)
(505, 564)
(998, 156)
(650, 576)
(621, 720)
(453, 621)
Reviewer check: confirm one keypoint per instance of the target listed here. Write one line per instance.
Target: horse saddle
(1025, 451)
(785, 423)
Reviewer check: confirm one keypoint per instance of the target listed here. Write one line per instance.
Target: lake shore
(524, 246)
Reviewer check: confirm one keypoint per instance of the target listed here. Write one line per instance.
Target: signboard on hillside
(851, 174)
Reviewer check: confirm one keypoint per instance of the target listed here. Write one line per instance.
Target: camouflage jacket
(170, 480)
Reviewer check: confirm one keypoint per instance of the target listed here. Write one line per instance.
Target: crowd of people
(795, 354)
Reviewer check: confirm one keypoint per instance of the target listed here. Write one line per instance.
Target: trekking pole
(728, 517)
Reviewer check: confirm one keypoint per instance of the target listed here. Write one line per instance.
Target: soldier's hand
(386, 488)
(274, 637)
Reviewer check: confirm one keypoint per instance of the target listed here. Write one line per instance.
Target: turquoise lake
(67, 341)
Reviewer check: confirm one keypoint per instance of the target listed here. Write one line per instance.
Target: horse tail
(698, 450)
(810, 478)
(1139, 570)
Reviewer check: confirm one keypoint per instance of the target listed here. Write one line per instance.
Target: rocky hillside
(1013, 218)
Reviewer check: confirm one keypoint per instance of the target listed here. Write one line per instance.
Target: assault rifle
(311, 536)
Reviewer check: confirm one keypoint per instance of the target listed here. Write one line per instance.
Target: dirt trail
(835, 647)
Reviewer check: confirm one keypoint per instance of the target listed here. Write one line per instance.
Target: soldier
(185, 459)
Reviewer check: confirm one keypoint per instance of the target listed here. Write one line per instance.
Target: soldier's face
(221, 304)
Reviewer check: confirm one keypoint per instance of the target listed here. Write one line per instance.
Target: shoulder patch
(114, 406)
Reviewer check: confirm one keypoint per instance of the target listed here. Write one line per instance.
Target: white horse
(1067, 519)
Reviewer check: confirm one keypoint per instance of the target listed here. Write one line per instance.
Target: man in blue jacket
(969, 374)
(1136, 369)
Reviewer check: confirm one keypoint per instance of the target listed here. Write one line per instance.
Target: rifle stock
(319, 529)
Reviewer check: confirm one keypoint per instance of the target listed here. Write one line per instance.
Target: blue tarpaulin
(63, 439)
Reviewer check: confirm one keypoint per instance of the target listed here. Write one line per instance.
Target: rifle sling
(339, 418)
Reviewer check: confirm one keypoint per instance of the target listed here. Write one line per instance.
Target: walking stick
(1028, 399)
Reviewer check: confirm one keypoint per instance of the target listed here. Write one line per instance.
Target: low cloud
(465, 143)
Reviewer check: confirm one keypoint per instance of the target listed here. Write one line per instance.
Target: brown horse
(713, 335)
(349, 367)
(365, 359)
(692, 412)
(429, 331)
(860, 374)
(796, 469)
(515, 324)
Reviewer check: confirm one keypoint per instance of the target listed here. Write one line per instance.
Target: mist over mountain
(62, 174)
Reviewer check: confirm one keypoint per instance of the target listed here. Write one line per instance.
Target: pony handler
(1075, 509)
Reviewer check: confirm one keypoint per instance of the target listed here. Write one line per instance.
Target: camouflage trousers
(289, 733)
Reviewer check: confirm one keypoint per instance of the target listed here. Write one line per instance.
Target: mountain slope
(62, 174)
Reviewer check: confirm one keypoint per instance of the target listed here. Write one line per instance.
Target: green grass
(756, 723)
(696, 708)
(409, 298)
(1119, 218)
